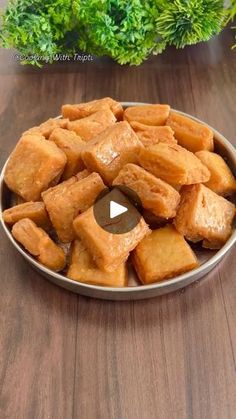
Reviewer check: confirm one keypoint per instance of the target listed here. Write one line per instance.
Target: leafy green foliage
(232, 12)
(36, 27)
(126, 30)
(186, 22)
(233, 9)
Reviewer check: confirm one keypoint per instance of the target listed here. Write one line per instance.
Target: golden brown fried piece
(190, 134)
(61, 187)
(72, 145)
(82, 268)
(149, 135)
(204, 215)
(222, 180)
(35, 211)
(155, 194)
(39, 244)
(174, 164)
(162, 255)
(33, 165)
(68, 199)
(111, 150)
(108, 250)
(47, 127)
(147, 114)
(82, 110)
(87, 128)
(154, 136)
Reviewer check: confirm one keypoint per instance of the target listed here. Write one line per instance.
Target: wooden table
(64, 356)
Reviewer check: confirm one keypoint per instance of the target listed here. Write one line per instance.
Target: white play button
(116, 209)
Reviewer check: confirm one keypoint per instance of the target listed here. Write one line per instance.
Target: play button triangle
(116, 209)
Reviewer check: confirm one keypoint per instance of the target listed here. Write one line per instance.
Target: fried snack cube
(162, 255)
(148, 114)
(39, 244)
(174, 164)
(111, 150)
(222, 180)
(149, 135)
(48, 126)
(59, 189)
(92, 125)
(69, 199)
(82, 110)
(204, 215)
(72, 145)
(82, 268)
(155, 194)
(35, 211)
(108, 250)
(190, 134)
(33, 165)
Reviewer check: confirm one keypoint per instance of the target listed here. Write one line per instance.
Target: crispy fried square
(87, 128)
(150, 135)
(82, 110)
(174, 164)
(33, 165)
(162, 255)
(109, 151)
(48, 126)
(108, 250)
(68, 199)
(222, 180)
(204, 215)
(190, 134)
(59, 189)
(83, 268)
(39, 244)
(72, 145)
(148, 114)
(155, 194)
(35, 211)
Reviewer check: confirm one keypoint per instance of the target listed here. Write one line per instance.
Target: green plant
(36, 28)
(186, 22)
(233, 9)
(233, 15)
(126, 30)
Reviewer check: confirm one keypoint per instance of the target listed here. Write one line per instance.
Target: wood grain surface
(65, 356)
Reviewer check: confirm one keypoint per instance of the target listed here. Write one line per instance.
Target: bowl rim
(130, 289)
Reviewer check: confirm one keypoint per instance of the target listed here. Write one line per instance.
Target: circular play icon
(117, 210)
